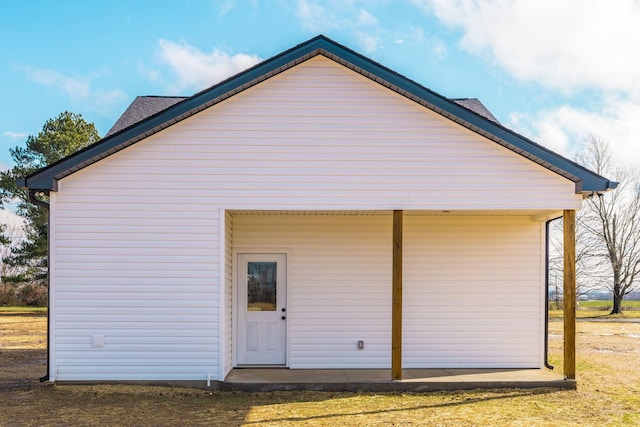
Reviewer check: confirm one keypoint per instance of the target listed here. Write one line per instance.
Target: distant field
(598, 309)
(606, 305)
(597, 314)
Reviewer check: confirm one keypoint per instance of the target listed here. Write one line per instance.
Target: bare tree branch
(609, 225)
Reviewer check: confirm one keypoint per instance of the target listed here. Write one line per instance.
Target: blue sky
(553, 71)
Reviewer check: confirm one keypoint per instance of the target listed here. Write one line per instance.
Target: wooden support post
(570, 294)
(396, 296)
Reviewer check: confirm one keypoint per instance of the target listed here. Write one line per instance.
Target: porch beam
(396, 310)
(569, 228)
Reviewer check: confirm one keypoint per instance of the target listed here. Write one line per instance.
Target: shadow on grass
(23, 311)
(464, 401)
(21, 368)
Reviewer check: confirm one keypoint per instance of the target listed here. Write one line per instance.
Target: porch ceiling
(537, 215)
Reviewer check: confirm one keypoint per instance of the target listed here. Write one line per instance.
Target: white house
(315, 211)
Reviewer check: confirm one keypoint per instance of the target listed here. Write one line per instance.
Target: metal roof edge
(46, 178)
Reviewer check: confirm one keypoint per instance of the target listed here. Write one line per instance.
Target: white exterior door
(262, 305)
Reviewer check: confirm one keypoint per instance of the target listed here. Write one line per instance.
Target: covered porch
(379, 380)
(389, 350)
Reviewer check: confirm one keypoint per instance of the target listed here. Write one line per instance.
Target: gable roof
(465, 115)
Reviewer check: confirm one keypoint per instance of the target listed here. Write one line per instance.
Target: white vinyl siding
(472, 292)
(144, 282)
(339, 271)
(471, 289)
(136, 242)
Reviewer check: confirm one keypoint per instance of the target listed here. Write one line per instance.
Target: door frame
(234, 299)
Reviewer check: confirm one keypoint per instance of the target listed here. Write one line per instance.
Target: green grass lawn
(599, 309)
(596, 314)
(606, 305)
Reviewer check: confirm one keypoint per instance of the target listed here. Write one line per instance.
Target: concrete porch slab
(378, 380)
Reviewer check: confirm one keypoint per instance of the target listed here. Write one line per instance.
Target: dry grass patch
(23, 340)
(18, 331)
(608, 394)
(608, 361)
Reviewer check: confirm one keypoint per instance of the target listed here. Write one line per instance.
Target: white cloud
(315, 17)
(225, 7)
(197, 70)
(76, 87)
(363, 21)
(104, 101)
(339, 15)
(562, 127)
(151, 74)
(79, 89)
(368, 41)
(365, 18)
(583, 53)
(561, 44)
(11, 134)
(416, 34)
(438, 48)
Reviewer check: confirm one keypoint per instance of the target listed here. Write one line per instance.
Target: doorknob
(283, 317)
(284, 309)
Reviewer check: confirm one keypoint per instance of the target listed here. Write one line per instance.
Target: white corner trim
(221, 292)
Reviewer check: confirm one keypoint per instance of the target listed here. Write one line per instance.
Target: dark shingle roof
(586, 181)
(141, 108)
(477, 107)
